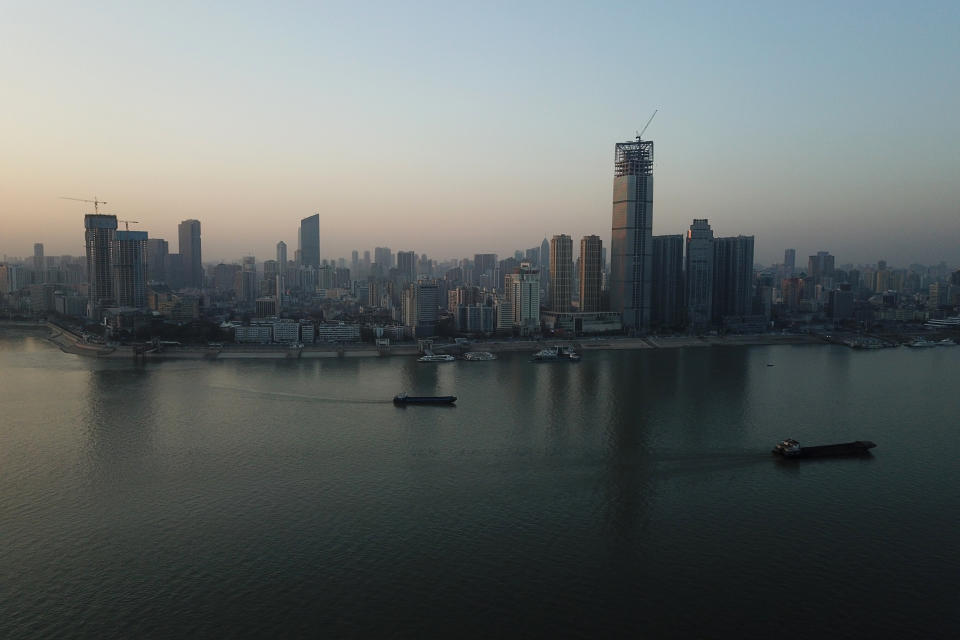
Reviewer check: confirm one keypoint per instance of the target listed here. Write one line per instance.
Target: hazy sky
(455, 128)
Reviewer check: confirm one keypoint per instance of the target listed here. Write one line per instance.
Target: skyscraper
(157, 252)
(561, 272)
(383, 258)
(281, 256)
(820, 266)
(190, 254)
(591, 272)
(310, 241)
(789, 261)
(407, 265)
(666, 295)
(732, 277)
(99, 239)
(38, 264)
(699, 275)
(632, 233)
(130, 269)
(544, 265)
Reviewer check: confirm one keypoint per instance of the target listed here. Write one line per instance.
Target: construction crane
(95, 201)
(127, 223)
(642, 131)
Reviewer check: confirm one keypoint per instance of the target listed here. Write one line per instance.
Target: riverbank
(70, 342)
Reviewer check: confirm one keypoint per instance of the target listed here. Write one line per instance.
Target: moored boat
(436, 357)
(479, 356)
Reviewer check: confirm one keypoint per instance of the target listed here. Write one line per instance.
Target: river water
(632, 494)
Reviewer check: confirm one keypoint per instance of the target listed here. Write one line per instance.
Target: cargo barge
(790, 448)
(403, 398)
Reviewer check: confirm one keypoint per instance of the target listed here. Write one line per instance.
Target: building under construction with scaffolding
(631, 246)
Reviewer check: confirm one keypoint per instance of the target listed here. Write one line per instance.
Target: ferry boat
(553, 354)
(790, 448)
(479, 356)
(403, 398)
(436, 357)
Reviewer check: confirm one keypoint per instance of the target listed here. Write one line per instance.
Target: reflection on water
(633, 491)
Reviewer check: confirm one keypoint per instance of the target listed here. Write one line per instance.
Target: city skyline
(793, 144)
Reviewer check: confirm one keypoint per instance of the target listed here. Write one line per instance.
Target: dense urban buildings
(631, 238)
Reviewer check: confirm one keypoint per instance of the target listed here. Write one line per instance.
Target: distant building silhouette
(591, 272)
(191, 257)
(130, 269)
(666, 296)
(732, 277)
(561, 272)
(310, 241)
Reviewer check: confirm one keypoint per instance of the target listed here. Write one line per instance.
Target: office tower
(666, 287)
(282, 255)
(190, 254)
(355, 262)
(533, 256)
(310, 241)
(591, 272)
(820, 266)
(407, 265)
(789, 261)
(130, 269)
(99, 236)
(699, 274)
(383, 258)
(632, 232)
(38, 264)
(157, 252)
(732, 277)
(561, 272)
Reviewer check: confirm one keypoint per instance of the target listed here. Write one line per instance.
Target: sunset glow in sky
(455, 128)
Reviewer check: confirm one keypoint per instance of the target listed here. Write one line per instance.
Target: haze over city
(451, 130)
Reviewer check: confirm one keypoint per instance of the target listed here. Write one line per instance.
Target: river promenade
(71, 342)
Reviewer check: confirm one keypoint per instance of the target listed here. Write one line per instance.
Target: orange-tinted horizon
(401, 129)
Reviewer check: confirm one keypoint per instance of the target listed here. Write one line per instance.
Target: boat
(921, 342)
(436, 357)
(553, 354)
(403, 398)
(479, 356)
(946, 342)
(790, 448)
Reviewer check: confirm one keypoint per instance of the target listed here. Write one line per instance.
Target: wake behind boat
(403, 398)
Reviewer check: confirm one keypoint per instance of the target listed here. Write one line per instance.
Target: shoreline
(69, 342)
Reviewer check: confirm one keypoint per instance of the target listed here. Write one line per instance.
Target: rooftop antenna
(95, 201)
(642, 131)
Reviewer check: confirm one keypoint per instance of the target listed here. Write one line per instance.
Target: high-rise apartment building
(282, 255)
(157, 251)
(383, 258)
(38, 264)
(789, 261)
(561, 272)
(310, 241)
(99, 240)
(699, 275)
(821, 266)
(407, 265)
(732, 277)
(190, 254)
(631, 252)
(591, 272)
(130, 269)
(666, 295)
(544, 265)
(522, 293)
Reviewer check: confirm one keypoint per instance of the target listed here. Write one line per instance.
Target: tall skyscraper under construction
(631, 249)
